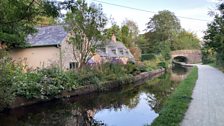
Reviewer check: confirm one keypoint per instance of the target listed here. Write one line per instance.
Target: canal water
(126, 106)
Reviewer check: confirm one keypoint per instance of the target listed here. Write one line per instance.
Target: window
(121, 51)
(103, 49)
(114, 51)
(73, 65)
(127, 52)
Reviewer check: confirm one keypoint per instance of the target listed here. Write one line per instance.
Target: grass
(217, 66)
(177, 104)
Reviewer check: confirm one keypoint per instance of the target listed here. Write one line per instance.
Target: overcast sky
(197, 9)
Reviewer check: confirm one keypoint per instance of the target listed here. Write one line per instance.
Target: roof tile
(49, 35)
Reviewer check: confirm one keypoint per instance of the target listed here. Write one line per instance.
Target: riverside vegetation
(175, 107)
(48, 82)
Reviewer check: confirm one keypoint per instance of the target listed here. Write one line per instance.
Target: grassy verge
(217, 66)
(173, 111)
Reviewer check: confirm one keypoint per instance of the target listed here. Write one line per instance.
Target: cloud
(214, 1)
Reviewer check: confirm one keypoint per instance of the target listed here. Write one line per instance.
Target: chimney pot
(113, 38)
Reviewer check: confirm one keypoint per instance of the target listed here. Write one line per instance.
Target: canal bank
(132, 104)
(177, 104)
(21, 101)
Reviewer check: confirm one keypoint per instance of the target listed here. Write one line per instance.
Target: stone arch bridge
(187, 56)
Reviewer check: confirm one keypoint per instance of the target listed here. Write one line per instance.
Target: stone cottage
(112, 51)
(47, 47)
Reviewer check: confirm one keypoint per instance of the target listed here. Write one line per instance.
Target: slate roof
(109, 46)
(49, 35)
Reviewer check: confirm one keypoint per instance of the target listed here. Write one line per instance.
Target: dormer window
(127, 52)
(121, 51)
(103, 50)
(114, 51)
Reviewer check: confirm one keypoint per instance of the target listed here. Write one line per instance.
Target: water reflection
(129, 105)
(179, 73)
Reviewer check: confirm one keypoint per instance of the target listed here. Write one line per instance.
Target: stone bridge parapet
(192, 56)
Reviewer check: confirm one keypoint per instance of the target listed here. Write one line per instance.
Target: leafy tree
(114, 29)
(142, 43)
(162, 30)
(127, 33)
(132, 26)
(122, 34)
(165, 24)
(185, 40)
(45, 21)
(85, 24)
(17, 19)
(126, 36)
(208, 55)
(214, 36)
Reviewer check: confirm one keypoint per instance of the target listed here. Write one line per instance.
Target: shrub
(148, 56)
(163, 64)
(156, 63)
(44, 83)
(49, 82)
(7, 73)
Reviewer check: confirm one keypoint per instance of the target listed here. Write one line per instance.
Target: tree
(85, 24)
(165, 24)
(142, 43)
(214, 36)
(122, 34)
(45, 21)
(129, 31)
(114, 29)
(162, 30)
(185, 40)
(133, 28)
(126, 36)
(17, 19)
(130, 37)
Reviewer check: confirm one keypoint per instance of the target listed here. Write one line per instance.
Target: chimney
(113, 38)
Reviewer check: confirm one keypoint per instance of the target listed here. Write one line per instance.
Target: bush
(148, 56)
(163, 64)
(103, 73)
(7, 73)
(44, 83)
(156, 63)
(49, 82)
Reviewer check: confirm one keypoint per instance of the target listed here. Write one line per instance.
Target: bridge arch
(188, 56)
(181, 59)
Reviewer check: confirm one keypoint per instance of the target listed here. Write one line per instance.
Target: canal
(130, 105)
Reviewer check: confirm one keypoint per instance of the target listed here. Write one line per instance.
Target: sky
(197, 9)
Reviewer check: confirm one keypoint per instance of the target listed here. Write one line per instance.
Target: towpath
(207, 105)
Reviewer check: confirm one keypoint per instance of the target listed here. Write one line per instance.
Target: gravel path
(207, 106)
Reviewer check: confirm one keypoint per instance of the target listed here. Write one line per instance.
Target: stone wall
(66, 54)
(193, 56)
